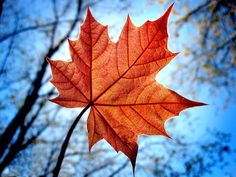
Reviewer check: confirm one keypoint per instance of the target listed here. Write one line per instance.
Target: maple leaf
(118, 81)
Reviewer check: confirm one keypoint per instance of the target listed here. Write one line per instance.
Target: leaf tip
(133, 166)
(48, 60)
(133, 172)
(133, 158)
(90, 147)
(128, 17)
(171, 6)
(129, 21)
(168, 11)
(198, 104)
(89, 12)
(167, 135)
(176, 53)
(51, 99)
(89, 17)
(89, 150)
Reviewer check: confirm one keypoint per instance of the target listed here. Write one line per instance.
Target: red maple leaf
(117, 80)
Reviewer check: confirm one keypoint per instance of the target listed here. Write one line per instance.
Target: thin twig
(120, 168)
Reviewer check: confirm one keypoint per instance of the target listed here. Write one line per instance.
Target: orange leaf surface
(118, 79)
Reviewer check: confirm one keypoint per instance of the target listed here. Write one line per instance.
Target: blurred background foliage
(32, 129)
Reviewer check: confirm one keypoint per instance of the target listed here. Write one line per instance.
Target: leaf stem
(57, 168)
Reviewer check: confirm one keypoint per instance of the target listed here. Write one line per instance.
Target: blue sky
(213, 116)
